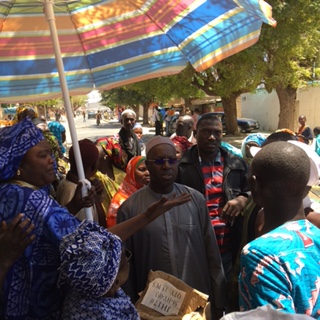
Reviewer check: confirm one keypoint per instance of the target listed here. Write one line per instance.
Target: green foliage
(78, 101)
(292, 48)
(46, 103)
(238, 74)
(127, 95)
(159, 90)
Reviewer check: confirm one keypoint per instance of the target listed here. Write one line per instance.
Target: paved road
(91, 131)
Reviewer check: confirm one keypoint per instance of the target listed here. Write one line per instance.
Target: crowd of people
(235, 224)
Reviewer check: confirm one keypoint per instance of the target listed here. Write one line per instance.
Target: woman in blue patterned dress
(27, 168)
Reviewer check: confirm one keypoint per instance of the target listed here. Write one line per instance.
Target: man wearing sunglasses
(181, 242)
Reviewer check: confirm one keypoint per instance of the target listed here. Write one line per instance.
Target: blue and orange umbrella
(50, 48)
(112, 43)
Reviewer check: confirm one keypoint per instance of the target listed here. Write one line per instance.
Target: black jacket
(234, 175)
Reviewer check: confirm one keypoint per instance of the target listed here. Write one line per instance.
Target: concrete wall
(265, 107)
(310, 105)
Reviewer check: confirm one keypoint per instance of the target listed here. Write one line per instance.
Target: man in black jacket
(221, 177)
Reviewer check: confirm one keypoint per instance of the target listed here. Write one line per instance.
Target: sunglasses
(161, 162)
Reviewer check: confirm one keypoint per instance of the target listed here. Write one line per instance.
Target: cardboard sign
(163, 297)
(166, 297)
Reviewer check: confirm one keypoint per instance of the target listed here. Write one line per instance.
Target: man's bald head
(184, 126)
(282, 170)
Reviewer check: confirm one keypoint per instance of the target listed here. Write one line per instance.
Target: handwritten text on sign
(163, 297)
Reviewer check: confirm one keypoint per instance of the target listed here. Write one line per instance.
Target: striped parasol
(112, 43)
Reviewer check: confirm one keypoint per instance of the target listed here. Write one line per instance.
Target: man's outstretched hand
(165, 204)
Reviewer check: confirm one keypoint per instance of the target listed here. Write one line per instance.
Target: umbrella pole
(49, 13)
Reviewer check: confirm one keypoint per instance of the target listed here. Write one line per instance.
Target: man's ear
(306, 191)
(195, 133)
(255, 190)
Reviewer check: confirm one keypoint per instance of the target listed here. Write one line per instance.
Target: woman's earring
(18, 172)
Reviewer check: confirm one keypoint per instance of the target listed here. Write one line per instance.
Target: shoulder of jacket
(190, 155)
(233, 160)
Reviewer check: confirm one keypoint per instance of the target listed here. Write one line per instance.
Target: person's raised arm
(126, 229)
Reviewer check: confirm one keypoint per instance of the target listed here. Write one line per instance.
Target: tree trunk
(135, 108)
(145, 113)
(187, 102)
(288, 107)
(230, 110)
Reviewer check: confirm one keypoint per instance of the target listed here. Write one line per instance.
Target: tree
(131, 95)
(230, 78)
(290, 52)
(78, 101)
(158, 90)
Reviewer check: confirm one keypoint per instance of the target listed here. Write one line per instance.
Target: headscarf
(106, 145)
(49, 136)
(279, 135)
(256, 138)
(112, 150)
(126, 189)
(89, 154)
(285, 130)
(15, 141)
(182, 142)
(22, 113)
(129, 184)
(137, 125)
(90, 259)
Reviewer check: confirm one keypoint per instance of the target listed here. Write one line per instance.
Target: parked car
(244, 124)
(92, 114)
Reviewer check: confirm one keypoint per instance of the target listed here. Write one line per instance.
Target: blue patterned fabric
(282, 268)
(15, 142)
(256, 138)
(90, 259)
(30, 289)
(76, 307)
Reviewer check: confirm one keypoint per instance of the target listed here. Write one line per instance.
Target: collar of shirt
(216, 160)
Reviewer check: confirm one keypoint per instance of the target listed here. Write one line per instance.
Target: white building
(93, 101)
(265, 107)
